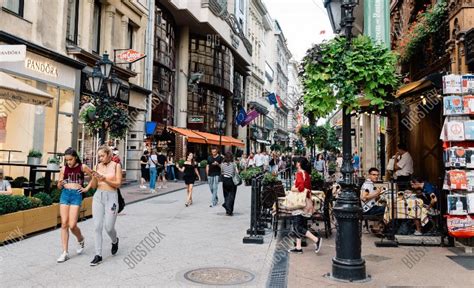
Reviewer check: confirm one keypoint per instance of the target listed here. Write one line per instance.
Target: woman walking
(320, 164)
(170, 167)
(145, 169)
(71, 179)
(229, 169)
(303, 185)
(153, 163)
(191, 172)
(105, 201)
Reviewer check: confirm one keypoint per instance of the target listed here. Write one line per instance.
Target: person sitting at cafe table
(369, 194)
(5, 187)
(425, 191)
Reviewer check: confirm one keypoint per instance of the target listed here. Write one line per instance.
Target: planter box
(11, 226)
(33, 161)
(87, 205)
(202, 173)
(40, 218)
(52, 166)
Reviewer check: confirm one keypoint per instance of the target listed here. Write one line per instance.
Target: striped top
(228, 169)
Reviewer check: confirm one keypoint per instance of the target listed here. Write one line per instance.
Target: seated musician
(425, 191)
(5, 188)
(369, 194)
(429, 194)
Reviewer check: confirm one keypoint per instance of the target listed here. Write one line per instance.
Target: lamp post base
(349, 270)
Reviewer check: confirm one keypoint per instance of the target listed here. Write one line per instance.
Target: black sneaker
(295, 251)
(317, 245)
(97, 260)
(115, 247)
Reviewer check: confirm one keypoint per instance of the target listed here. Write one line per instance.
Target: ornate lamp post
(103, 75)
(348, 264)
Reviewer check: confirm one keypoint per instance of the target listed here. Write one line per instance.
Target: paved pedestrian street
(160, 241)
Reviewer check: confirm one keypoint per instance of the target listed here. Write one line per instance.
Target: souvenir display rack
(458, 141)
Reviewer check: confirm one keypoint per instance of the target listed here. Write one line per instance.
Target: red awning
(189, 134)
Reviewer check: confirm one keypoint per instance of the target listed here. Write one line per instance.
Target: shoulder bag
(236, 178)
(295, 200)
(121, 201)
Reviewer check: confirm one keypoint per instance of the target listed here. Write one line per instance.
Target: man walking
(213, 172)
(259, 160)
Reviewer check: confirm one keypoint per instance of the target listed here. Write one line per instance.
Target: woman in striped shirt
(228, 170)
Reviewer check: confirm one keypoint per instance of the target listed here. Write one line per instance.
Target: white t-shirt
(152, 160)
(259, 160)
(368, 186)
(4, 185)
(405, 163)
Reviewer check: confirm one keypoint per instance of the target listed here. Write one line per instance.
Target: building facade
(40, 92)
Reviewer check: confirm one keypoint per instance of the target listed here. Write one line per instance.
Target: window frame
(21, 8)
(76, 24)
(97, 5)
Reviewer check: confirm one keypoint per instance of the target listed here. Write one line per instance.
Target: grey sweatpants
(104, 209)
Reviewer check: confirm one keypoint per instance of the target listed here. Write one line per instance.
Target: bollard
(253, 237)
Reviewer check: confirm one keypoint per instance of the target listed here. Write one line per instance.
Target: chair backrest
(18, 191)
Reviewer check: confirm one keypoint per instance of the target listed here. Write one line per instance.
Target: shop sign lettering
(41, 67)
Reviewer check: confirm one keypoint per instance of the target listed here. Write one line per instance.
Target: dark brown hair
(229, 157)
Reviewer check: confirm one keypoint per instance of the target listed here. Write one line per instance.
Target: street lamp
(102, 74)
(221, 121)
(348, 264)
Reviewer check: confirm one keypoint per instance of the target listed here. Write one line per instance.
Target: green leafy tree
(337, 74)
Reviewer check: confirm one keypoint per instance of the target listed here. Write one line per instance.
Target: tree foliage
(334, 73)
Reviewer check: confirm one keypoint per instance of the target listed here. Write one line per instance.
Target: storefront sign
(41, 67)
(12, 53)
(196, 119)
(460, 226)
(130, 56)
(469, 46)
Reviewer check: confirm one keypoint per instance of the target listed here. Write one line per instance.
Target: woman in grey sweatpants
(105, 202)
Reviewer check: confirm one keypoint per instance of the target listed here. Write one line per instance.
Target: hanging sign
(130, 56)
(196, 119)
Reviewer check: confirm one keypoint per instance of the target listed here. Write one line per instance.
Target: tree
(333, 75)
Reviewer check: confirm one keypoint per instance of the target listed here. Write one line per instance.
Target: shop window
(133, 136)
(15, 6)
(72, 21)
(96, 26)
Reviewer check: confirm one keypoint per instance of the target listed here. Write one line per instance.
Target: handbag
(236, 178)
(296, 200)
(121, 201)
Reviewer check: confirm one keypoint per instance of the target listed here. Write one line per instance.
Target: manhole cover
(219, 276)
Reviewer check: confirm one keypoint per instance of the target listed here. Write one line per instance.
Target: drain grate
(375, 258)
(219, 276)
(279, 271)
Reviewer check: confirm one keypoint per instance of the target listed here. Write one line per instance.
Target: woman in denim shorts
(71, 179)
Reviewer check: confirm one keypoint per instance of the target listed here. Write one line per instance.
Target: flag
(250, 117)
(241, 115)
(280, 104)
(272, 98)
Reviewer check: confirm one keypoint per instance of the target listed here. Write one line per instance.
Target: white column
(109, 30)
(182, 78)
(85, 20)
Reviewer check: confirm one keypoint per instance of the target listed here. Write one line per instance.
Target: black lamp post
(102, 74)
(348, 264)
(221, 121)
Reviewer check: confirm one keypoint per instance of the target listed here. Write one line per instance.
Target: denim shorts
(70, 197)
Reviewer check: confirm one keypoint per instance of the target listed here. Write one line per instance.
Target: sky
(302, 22)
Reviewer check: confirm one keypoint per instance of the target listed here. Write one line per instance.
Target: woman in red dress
(303, 185)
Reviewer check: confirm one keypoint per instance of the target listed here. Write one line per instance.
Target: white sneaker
(64, 257)
(417, 233)
(80, 246)
(159, 187)
(152, 191)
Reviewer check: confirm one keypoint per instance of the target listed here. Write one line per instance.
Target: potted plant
(202, 170)
(272, 189)
(87, 113)
(53, 163)
(34, 157)
(332, 167)
(248, 174)
(317, 180)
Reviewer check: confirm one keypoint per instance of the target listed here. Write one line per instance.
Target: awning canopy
(233, 141)
(432, 80)
(189, 134)
(18, 91)
(263, 141)
(194, 136)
